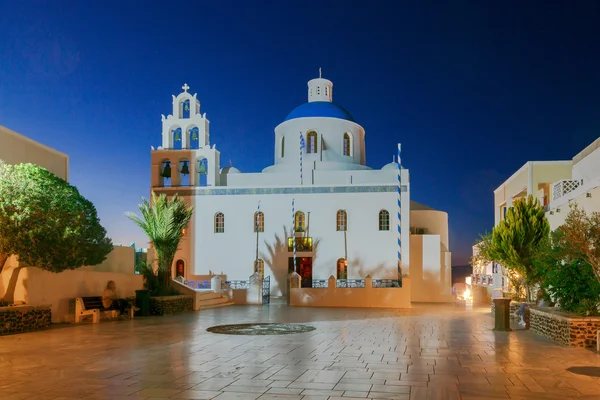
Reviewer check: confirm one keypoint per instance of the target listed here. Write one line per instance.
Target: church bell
(202, 168)
(185, 169)
(166, 172)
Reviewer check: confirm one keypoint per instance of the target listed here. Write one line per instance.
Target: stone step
(207, 296)
(229, 303)
(216, 300)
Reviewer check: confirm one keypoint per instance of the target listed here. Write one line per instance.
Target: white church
(319, 209)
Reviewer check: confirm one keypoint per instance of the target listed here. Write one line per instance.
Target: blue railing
(198, 284)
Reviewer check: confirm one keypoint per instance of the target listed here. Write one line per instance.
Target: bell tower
(185, 157)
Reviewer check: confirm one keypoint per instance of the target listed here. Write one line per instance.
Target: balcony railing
(564, 186)
(482, 280)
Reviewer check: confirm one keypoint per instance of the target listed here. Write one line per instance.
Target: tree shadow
(9, 295)
(277, 256)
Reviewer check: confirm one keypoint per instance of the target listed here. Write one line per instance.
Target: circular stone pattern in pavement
(261, 329)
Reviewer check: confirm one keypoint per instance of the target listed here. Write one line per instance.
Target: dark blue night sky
(472, 90)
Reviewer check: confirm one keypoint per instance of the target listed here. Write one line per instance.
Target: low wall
(171, 304)
(353, 297)
(34, 286)
(121, 259)
(482, 294)
(20, 319)
(565, 329)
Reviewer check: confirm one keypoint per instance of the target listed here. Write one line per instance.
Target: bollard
(502, 314)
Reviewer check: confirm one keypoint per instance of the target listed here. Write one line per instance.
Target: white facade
(581, 187)
(334, 181)
(556, 184)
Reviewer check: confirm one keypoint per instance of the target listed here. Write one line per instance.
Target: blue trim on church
(295, 190)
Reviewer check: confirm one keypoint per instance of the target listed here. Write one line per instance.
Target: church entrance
(303, 268)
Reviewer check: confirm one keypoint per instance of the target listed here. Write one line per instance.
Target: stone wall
(20, 319)
(566, 329)
(171, 304)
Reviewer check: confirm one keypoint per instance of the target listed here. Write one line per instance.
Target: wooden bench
(93, 306)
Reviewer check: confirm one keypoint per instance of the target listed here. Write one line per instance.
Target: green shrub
(574, 286)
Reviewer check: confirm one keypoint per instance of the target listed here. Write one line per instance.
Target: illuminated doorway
(303, 268)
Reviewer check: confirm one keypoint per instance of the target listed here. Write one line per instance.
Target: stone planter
(171, 304)
(566, 329)
(19, 319)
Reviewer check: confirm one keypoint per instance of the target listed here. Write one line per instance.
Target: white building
(556, 184)
(345, 216)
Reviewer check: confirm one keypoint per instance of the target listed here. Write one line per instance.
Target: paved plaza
(428, 352)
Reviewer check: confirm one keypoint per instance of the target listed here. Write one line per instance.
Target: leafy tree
(516, 241)
(163, 220)
(579, 238)
(568, 276)
(46, 222)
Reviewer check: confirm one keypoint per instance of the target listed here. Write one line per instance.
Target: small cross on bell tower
(185, 87)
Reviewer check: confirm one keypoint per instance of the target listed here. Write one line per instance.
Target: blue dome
(319, 109)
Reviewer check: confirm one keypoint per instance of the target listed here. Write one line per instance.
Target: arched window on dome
(384, 220)
(219, 222)
(311, 139)
(299, 222)
(341, 221)
(282, 147)
(346, 144)
(259, 221)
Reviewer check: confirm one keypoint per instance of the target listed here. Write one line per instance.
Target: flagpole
(301, 148)
(257, 230)
(399, 215)
(294, 232)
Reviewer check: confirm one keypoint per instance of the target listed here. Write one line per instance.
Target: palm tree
(164, 221)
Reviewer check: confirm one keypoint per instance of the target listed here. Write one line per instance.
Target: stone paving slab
(428, 352)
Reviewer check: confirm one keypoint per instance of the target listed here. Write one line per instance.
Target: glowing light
(467, 294)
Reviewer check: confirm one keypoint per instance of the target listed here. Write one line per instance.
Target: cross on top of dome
(185, 87)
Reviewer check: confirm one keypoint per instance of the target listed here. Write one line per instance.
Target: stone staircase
(209, 299)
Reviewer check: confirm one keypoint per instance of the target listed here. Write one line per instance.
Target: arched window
(176, 141)
(347, 144)
(384, 220)
(342, 268)
(259, 266)
(165, 173)
(300, 222)
(202, 172)
(194, 138)
(185, 109)
(341, 221)
(259, 221)
(219, 222)
(180, 268)
(311, 146)
(282, 146)
(184, 173)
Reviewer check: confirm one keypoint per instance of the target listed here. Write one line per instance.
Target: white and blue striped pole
(294, 232)
(301, 148)
(399, 215)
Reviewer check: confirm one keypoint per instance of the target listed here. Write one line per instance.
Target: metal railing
(387, 283)
(235, 285)
(197, 284)
(564, 186)
(482, 280)
(350, 283)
